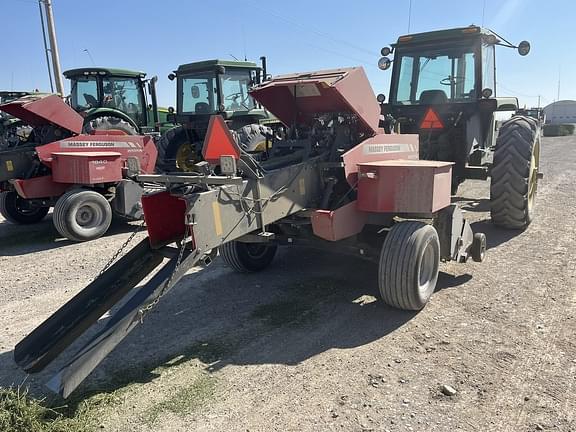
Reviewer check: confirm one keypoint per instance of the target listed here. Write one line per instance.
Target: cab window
(84, 94)
(124, 94)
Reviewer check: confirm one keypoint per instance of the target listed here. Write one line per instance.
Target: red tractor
(86, 178)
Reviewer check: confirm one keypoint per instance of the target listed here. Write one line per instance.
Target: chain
(121, 249)
(144, 310)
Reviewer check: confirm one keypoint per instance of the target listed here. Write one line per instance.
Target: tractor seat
(201, 108)
(433, 97)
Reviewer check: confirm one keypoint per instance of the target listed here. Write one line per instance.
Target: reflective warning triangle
(431, 120)
(219, 141)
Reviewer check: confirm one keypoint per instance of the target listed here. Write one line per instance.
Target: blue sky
(299, 35)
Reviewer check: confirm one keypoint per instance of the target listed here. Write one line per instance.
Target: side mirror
(220, 70)
(386, 51)
(381, 98)
(384, 63)
(195, 91)
(524, 48)
(171, 76)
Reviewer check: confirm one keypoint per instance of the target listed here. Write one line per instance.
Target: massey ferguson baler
(86, 178)
(332, 180)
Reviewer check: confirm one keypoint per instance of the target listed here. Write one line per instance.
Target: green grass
(21, 413)
(184, 400)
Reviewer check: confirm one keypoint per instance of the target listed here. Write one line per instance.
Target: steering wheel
(233, 96)
(450, 80)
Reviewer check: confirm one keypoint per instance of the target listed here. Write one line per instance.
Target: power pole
(54, 47)
(46, 49)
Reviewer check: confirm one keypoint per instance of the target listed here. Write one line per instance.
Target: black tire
(247, 257)
(82, 215)
(252, 137)
(478, 248)
(15, 210)
(168, 146)
(109, 123)
(409, 263)
(515, 173)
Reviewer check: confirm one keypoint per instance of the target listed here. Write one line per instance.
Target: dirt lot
(303, 346)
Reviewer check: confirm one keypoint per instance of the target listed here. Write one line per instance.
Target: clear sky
(296, 35)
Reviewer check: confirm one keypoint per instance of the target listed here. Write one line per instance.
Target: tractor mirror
(384, 63)
(385, 51)
(221, 70)
(524, 48)
(195, 91)
(171, 76)
(380, 98)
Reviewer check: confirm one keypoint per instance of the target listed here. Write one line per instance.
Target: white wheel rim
(428, 268)
(89, 215)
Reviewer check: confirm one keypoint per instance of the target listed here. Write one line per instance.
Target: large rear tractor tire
(247, 257)
(409, 263)
(82, 215)
(109, 123)
(252, 137)
(515, 173)
(17, 210)
(176, 152)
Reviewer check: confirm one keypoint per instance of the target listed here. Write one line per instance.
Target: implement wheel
(515, 173)
(247, 257)
(18, 210)
(81, 215)
(409, 262)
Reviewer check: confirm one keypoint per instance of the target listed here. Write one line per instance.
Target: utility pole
(46, 49)
(54, 47)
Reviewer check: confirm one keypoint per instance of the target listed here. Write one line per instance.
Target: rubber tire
(109, 123)
(9, 210)
(251, 136)
(399, 266)
(168, 146)
(510, 173)
(237, 256)
(65, 211)
(478, 248)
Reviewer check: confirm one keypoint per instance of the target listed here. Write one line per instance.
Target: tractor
(443, 88)
(213, 87)
(334, 181)
(115, 99)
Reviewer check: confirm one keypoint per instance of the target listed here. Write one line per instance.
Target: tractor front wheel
(81, 215)
(109, 123)
(409, 263)
(515, 173)
(247, 257)
(18, 210)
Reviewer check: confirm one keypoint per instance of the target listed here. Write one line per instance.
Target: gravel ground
(305, 346)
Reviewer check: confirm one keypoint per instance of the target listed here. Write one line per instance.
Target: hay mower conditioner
(86, 177)
(335, 182)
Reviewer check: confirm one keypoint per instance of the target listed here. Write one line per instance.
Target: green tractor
(12, 130)
(443, 88)
(213, 87)
(116, 99)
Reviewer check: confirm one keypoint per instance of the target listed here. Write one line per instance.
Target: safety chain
(144, 310)
(121, 249)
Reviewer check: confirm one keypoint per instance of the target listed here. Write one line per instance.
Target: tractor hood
(299, 98)
(38, 110)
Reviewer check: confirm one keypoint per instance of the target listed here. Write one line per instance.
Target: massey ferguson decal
(388, 148)
(98, 144)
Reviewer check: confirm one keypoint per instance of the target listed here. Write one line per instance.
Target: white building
(561, 112)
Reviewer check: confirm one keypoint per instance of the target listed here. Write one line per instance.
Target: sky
(295, 36)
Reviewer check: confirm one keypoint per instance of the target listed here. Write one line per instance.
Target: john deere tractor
(115, 99)
(213, 87)
(443, 87)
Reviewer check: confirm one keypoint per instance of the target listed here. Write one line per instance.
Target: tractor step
(55, 334)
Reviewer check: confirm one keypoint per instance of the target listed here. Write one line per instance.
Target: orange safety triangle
(431, 120)
(219, 141)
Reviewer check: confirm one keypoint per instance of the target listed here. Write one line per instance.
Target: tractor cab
(217, 87)
(114, 93)
(443, 87)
